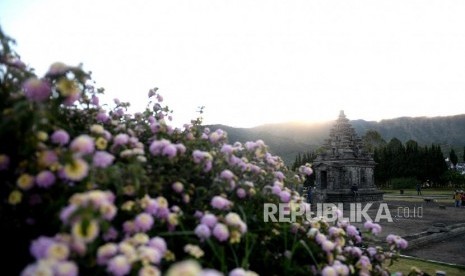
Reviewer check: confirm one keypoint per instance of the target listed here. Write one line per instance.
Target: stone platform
(363, 196)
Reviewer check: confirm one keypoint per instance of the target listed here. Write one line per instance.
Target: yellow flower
(76, 170)
(77, 199)
(128, 250)
(128, 205)
(148, 270)
(25, 181)
(67, 87)
(185, 268)
(58, 251)
(129, 190)
(15, 197)
(101, 143)
(140, 239)
(169, 256)
(173, 219)
(162, 202)
(193, 250)
(42, 136)
(87, 235)
(235, 237)
(97, 129)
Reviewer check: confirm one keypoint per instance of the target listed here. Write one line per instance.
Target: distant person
(309, 194)
(418, 189)
(463, 199)
(458, 199)
(354, 190)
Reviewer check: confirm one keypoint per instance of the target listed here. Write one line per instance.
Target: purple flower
(57, 68)
(209, 219)
(356, 251)
(390, 238)
(241, 193)
(320, 238)
(60, 137)
(45, 179)
(36, 90)
(180, 148)
(72, 98)
(67, 212)
(95, 100)
(238, 272)
(279, 175)
(4, 162)
(352, 231)
(327, 246)
(227, 149)
(210, 272)
(177, 187)
(119, 265)
(159, 244)
(156, 148)
(217, 136)
(221, 232)
(102, 117)
(202, 231)
(329, 271)
(48, 158)
(305, 170)
(169, 151)
(371, 251)
(121, 139)
(66, 268)
(285, 196)
(143, 222)
(364, 262)
(227, 175)
(40, 246)
(102, 159)
(276, 190)
(152, 206)
(110, 234)
(374, 227)
(220, 203)
(401, 243)
(83, 144)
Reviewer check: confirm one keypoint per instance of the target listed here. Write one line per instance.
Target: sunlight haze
(256, 62)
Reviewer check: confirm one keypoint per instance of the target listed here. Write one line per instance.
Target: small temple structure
(342, 164)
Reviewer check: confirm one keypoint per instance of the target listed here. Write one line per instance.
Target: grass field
(405, 265)
(442, 196)
(424, 192)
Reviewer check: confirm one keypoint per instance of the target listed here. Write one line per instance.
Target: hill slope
(288, 139)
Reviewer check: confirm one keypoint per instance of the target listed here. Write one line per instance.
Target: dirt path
(415, 217)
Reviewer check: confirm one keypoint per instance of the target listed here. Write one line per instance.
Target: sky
(256, 62)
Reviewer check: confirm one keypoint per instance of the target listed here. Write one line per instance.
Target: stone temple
(342, 164)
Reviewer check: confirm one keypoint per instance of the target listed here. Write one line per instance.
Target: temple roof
(342, 137)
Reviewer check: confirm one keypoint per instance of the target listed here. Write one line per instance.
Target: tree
(453, 157)
(372, 140)
(463, 154)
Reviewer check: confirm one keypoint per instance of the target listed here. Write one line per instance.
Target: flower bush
(89, 189)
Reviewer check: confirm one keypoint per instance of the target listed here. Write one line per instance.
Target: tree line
(402, 165)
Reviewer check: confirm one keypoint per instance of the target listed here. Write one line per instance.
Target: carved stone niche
(343, 163)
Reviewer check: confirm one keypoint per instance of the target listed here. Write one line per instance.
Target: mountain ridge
(288, 139)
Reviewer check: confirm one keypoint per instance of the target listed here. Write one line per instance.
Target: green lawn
(404, 265)
(425, 192)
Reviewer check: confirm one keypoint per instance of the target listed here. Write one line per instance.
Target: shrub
(92, 190)
(404, 183)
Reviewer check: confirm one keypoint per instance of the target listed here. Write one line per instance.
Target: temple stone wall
(342, 164)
